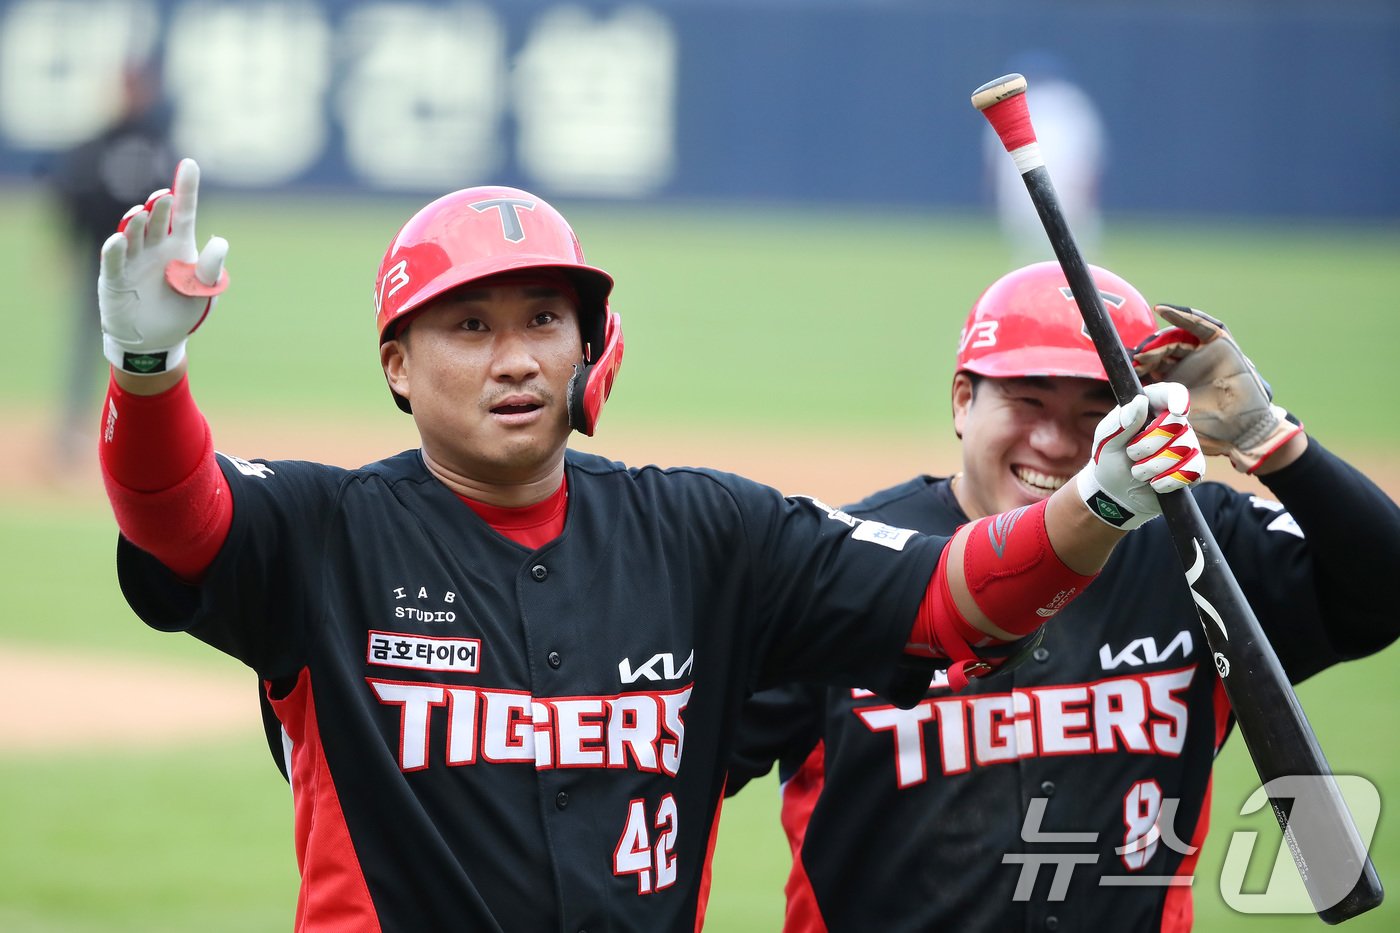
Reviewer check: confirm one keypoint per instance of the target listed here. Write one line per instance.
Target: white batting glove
(153, 288)
(1133, 463)
(1232, 408)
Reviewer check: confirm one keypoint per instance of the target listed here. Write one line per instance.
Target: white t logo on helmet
(511, 227)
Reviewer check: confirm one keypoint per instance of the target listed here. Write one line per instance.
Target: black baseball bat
(1318, 828)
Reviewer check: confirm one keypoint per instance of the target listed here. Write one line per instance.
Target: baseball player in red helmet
(1071, 792)
(505, 674)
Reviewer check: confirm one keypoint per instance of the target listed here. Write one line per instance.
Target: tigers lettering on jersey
(1142, 714)
(643, 731)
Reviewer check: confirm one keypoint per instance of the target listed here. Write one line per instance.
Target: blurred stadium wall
(1231, 107)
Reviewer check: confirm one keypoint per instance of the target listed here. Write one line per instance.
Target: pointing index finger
(186, 199)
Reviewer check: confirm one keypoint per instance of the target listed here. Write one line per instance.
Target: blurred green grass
(823, 322)
(190, 838)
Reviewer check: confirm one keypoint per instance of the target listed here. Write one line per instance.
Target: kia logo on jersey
(661, 666)
(1142, 651)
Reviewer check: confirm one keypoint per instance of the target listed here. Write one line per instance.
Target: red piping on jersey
(1178, 908)
(333, 896)
(706, 874)
(800, 794)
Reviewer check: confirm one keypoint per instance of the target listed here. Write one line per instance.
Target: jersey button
(1041, 654)
(554, 659)
(1052, 922)
(1047, 788)
(539, 572)
(561, 799)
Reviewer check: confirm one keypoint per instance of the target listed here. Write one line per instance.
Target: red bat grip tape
(1011, 118)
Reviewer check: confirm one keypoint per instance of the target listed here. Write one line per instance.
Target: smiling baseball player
(1072, 792)
(506, 672)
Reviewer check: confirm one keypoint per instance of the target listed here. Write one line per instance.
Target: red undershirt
(531, 526)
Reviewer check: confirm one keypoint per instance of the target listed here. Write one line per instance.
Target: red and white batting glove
(1132, 463)
(153, 288)
(1231, 404)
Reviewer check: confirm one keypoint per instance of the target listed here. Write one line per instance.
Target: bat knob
(998, 90)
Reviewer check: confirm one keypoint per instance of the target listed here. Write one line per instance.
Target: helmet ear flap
(593, 379)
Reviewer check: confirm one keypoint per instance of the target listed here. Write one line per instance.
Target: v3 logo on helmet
(397, 276)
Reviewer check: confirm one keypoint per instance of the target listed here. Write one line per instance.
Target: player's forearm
(165, 487)
(152, 438)
(1015, 570)
(998, 580)
(1352, 530)
(1079, 539)
(1291, 450)
(1009, 573)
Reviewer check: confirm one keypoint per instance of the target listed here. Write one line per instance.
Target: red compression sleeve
(1014, 575)
(167, 492)
(1015, 578)
(941, 631)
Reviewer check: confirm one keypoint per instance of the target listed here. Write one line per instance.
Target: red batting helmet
(479, 232)
(1027, 324)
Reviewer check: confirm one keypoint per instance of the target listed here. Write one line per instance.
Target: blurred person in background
(94, 183)
(1071, 134)
(1109, 729)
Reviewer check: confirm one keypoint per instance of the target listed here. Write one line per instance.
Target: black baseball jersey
(1092, 760)
(486, 737)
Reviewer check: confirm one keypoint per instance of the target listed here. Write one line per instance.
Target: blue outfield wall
(1231, 108)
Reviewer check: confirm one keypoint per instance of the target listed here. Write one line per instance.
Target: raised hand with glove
(1132, 462)
(1232, 406)
(154, 288)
